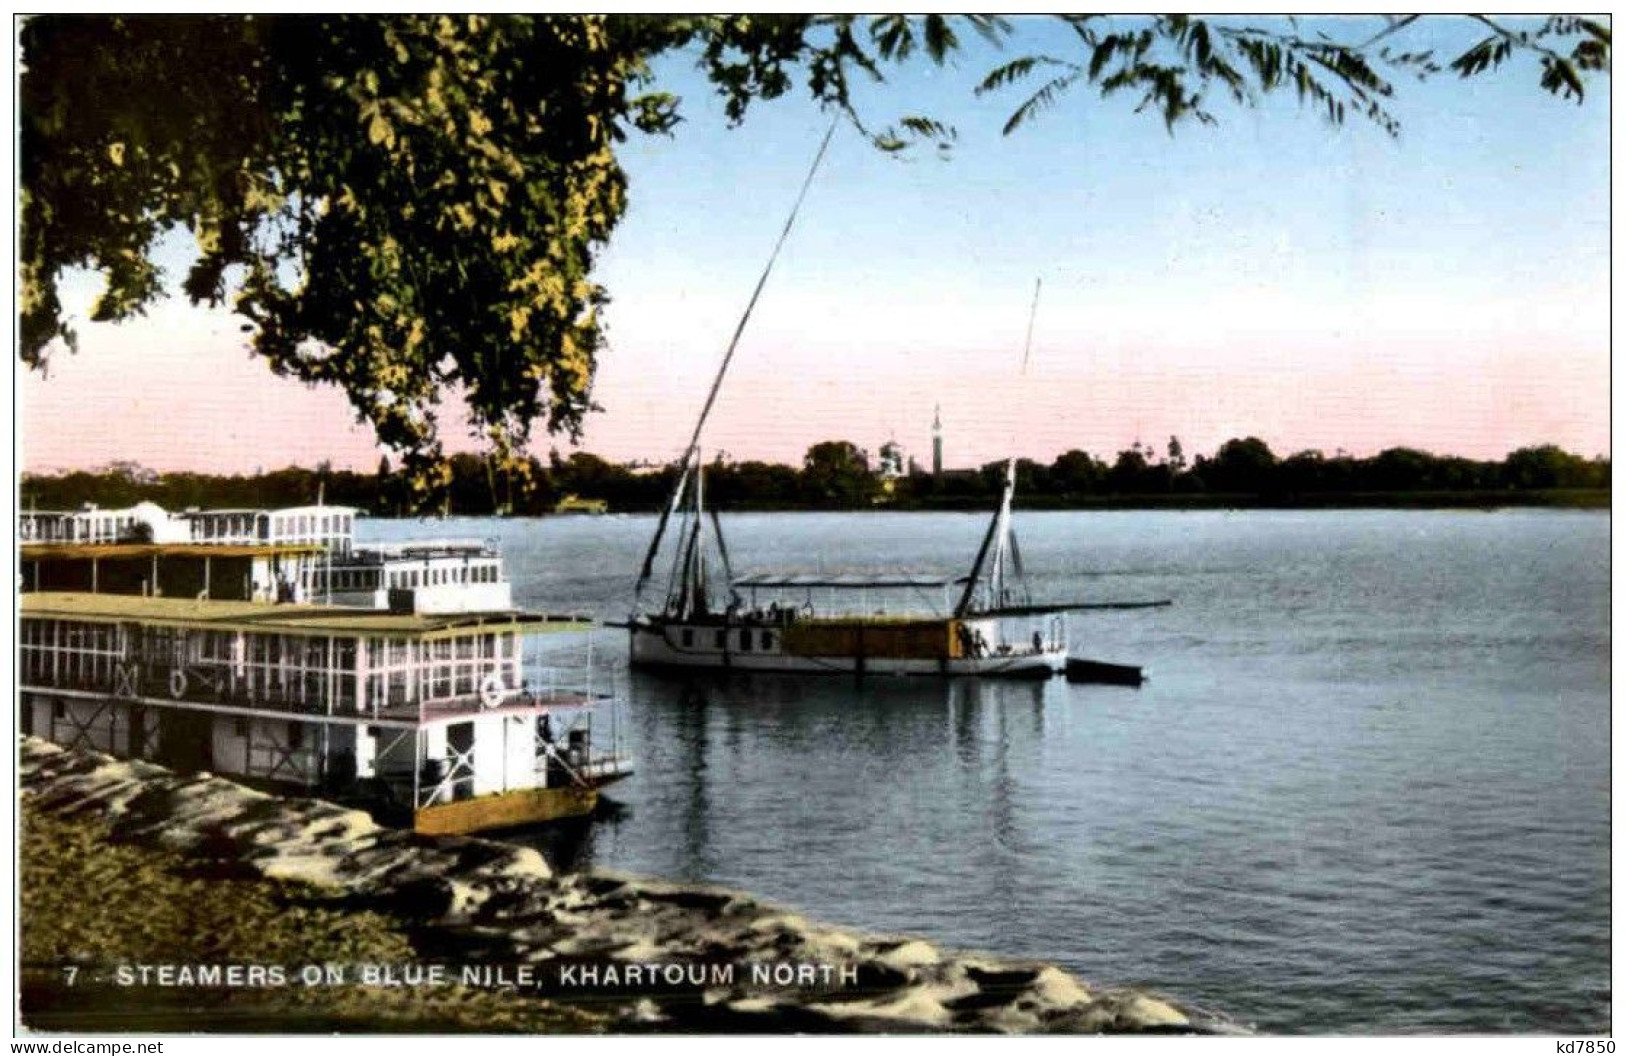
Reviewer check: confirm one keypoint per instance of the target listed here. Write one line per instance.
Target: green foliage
(751, 57)
(1549, 466)
(1176, 455)
(1241, 465)
(836, 472)
(1402, 469)
(1561, 73)
(407, 206)
(753, 485)
(1174, 65)
(1075, 472)
(1128, 473)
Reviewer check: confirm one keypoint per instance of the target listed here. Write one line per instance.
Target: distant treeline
(837, 474)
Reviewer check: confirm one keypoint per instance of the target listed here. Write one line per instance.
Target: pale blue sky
(1314, 286)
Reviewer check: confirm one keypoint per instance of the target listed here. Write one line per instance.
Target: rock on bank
(651, 955)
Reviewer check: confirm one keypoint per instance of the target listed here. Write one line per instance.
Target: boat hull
(189, 740)
(660, 645)
(1079, 670)
(505, 810)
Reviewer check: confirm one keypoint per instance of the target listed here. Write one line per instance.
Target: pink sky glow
(177, 391)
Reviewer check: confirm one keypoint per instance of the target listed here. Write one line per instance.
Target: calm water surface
(1366, 790)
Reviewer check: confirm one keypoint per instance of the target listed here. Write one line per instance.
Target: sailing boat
(820, 623)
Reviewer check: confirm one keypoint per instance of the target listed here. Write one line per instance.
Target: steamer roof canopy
(282, 619)
(89, 551)
(854, 581)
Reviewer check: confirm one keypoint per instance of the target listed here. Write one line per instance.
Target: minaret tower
(936, 443)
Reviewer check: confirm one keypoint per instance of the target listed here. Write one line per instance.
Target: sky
(1273, 276)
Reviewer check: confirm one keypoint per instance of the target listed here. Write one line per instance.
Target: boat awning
(853, 581)
(266, 617)
(116, 551)
(1070, 606)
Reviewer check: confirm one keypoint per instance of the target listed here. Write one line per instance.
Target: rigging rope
(727, 358)
(1032, 316)
(716, 383)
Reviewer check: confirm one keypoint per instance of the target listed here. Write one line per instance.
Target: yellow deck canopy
(272, 618)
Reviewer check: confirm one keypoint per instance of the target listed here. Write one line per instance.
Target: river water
(1365, 790)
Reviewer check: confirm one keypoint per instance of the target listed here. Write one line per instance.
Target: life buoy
(177, 684)
(492, 690)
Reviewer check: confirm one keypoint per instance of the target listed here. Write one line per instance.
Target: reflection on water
(1365, 790)
(715, 725)
(568, 844)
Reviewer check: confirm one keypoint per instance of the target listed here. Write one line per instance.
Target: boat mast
(691, 453)
(1000, 537)
(680, 589)
(696, 602)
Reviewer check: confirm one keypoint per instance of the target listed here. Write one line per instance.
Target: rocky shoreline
(573, 953)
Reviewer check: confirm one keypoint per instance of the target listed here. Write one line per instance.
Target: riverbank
(141, 886)
(1549, 498)
(89, 905)
(1484, 499)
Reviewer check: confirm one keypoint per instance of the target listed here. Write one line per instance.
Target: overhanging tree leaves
(1174, 65)
(396, 205)
(408, 206)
